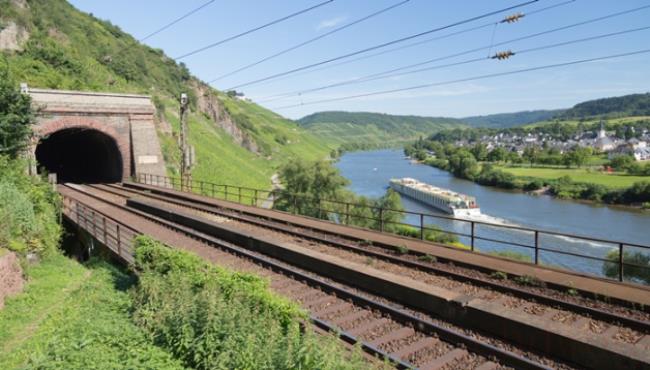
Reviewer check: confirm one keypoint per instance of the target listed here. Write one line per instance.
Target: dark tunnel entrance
(80, 155)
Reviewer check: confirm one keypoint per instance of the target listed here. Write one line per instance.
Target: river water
(369, 173)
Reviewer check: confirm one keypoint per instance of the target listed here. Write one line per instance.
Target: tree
(480, 152)
(621, 162)
(577, 156)
(531, 154)
(497, 155)
(391, 210)
(306, 185)
(16, 117)
(638, 270)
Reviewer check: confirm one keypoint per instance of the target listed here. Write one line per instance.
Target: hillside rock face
(208, 104)
(11, 277)
(12, 37)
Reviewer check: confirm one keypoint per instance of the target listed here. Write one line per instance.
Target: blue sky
(546, 89)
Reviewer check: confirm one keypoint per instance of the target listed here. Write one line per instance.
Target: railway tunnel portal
(88, 137)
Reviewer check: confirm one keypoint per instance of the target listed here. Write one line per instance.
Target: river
(370, 171)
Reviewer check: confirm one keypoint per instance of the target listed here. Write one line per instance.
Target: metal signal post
(186, 176)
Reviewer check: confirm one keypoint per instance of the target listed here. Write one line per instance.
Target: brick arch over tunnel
(87, 134)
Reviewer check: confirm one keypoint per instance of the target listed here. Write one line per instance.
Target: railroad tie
(416, 347)
(347, 319)
(316, 303)
(393, 335)
(305, 295)
(440, 362)
(341, 306)
(372, 324)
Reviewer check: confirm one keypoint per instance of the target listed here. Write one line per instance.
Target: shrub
(639, 274)
(210, 317)
(533, 185)
(432, 233)
(28, 210)
(512, 255)
(495, 177)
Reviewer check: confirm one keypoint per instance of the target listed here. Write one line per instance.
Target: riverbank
(563, 186)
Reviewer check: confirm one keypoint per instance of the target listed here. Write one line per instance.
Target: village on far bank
(627, 139)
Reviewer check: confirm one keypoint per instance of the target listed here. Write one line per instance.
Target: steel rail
(425, 326)
(276, 225)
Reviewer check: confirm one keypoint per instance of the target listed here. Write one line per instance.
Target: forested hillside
(505, 120)
(622, 106)
(50, 44)
(373, 129)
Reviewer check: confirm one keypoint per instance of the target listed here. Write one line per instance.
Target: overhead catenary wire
(307, 42)
(385, 44)
(467, 79)
(227, 39)
(172, 23)
(391, 72)
(413, 44)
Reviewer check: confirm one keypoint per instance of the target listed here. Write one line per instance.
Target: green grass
(612, 180)
(72, 316)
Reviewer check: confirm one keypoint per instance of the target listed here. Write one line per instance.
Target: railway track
(636, 319)
(599, 319)
(408, 340)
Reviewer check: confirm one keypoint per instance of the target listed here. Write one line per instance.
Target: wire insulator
(513, 18)
(503, 55)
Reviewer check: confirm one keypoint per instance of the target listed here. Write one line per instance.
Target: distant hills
(373, 129)
(505, 120)
(616, 107)
(378, 129)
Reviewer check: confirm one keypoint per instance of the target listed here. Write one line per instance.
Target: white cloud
(332, 22)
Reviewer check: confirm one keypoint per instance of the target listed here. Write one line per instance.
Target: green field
(612, 180)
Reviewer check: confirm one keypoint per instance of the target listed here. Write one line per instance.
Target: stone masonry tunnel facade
(88, 137)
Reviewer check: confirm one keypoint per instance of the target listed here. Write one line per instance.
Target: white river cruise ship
(445, 200)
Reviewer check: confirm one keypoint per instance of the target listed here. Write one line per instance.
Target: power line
(490, 24)
(310, 40)
(176, 21)
(518, 71)
(253, 30)
(387, 73)
(384, 44)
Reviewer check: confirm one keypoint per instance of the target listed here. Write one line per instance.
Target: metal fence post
(537, 247)
(381, 219)
(421, 226)
(347, 213)
(226, 197)
(254, 202)
(294, 203)
(212, 190)
(201, 187)
(239, 194)
(620, 262)
(472, 241)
